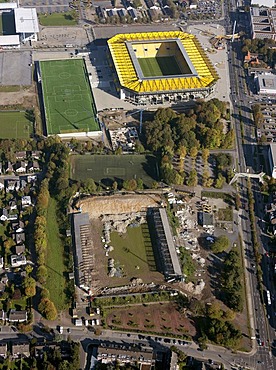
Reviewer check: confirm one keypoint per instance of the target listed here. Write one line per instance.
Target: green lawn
(58, 19)
(159, 66)
(15, 125)
(107, 168)
(55, 261)
(68, 100)
(133, 251)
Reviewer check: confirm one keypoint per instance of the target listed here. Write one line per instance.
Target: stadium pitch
(109, 168)
(68, 101)
(159, 66)
(15, 125)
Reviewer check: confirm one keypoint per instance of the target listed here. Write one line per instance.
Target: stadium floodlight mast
(141, 118)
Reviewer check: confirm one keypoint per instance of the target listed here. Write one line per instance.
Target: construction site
(113, 243)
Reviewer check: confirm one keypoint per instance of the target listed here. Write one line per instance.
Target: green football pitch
(15, 125)
(107, 168)
(68, 101)
(159, 66)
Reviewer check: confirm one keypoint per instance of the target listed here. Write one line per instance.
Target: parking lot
(16, 68)
(217, 57)
(47, 6)
(62, 36)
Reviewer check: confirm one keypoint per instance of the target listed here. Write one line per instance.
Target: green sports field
(159, 66)
(15, 125)
(107, 168)
(68, 101)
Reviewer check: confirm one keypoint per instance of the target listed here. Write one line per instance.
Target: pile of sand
(116, 204)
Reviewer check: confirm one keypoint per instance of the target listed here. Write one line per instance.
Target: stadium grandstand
(167, 260)
(155, 67)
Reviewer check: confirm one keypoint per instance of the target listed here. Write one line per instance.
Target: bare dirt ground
(25, 97)
(162, 318)
(118, 204)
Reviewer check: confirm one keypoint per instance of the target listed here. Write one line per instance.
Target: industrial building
(19, 25)
(266, 83)
(263, 23)
(272, 160)
(166, 252)
(155, 67)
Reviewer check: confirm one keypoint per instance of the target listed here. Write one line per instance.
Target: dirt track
(117, 204)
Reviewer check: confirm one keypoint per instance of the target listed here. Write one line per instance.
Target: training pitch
(68, 100)
(159, 66)
(107, 168)
(15, 125)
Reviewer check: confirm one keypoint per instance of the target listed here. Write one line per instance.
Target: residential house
(3, 349)
(26, 201)
(41, 348)
(2, 184)
(20, 167)
(12, 216)
(19, 249)
(32, 166)
(20, 155)
(18, 316)
(4, 215)
(36, 154)
(21, 350)
(12, 205)
(17, 226)
(20, 238)
(17, 261)
(8, 167)
(12, 185)
(1, 262)
(31, 178)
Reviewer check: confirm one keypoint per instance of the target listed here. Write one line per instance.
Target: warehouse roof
(26, 20)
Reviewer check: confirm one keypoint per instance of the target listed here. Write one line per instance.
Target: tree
(193, 152)
(29, 286)
(48, 309)
(205, 154)
(192, 179)
(89, 186)
(220, 244)
(41, 274)
(140, 184)
(130, 185)
(220, 181)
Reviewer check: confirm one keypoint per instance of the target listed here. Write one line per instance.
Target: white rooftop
(5, 6)
(267, 3)
(9, 40)
(26, 20)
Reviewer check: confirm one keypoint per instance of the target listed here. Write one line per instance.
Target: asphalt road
(248, 161)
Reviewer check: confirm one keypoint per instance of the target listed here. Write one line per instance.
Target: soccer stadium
(161, 66)
(67, 97)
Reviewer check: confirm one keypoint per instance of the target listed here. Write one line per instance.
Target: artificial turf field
(68, 101)
(15, 125)
(159, 66)
(107, 168)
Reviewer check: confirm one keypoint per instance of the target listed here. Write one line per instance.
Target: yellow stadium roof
(129, 78)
